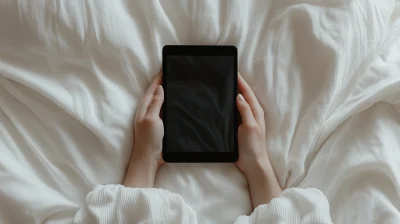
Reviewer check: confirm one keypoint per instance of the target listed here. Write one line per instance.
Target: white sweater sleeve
(294, 205)
(119, 204)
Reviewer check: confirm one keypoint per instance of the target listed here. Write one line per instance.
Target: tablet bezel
(200, 157)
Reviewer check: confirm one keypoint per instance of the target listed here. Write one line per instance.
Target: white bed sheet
(327, 74)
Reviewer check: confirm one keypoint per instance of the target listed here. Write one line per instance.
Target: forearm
(263, 185)
(141, 173)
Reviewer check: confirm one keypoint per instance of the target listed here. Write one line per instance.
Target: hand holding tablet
(200, 120)
(200, 108)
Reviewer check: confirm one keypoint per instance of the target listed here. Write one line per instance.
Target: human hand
(253, 157)
(149, 128)
(149, 131)
(251, 133)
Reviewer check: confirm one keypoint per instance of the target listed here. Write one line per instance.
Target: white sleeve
(119, 204)
(294, 205)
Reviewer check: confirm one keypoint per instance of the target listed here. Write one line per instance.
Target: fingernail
(159, 90)
(240, 98)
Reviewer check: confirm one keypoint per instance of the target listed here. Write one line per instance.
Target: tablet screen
(200, 99)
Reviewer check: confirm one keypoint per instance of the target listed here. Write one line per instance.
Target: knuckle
(157, 98)
(147, 120)
(246, 108)
(251, 127)
(258, 110)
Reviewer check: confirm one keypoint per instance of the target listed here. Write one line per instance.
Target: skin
(253, 159)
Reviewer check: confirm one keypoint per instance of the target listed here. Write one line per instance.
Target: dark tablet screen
(199, 107)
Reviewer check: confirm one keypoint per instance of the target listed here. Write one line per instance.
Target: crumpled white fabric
(325, 72)
(118, 204)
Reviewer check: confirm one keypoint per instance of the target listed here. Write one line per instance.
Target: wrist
(259, 168)
(143, 161)
(260, 172)
(263, 184)
(146, 156)
(141, 172)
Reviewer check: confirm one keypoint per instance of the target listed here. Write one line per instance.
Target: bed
(327, 74)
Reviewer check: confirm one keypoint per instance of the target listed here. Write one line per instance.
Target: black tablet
(199, 110)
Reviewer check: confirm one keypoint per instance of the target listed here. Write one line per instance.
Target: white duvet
(327, 74)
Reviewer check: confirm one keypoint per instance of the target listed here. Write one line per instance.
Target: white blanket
(327, 74)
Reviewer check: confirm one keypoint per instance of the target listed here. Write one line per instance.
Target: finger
(158, 79)
(156, 103)
(251, 98)
(245, 111)
(144, 104)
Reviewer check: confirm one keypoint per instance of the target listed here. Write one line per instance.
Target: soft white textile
(118, 204)
(327, 74)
